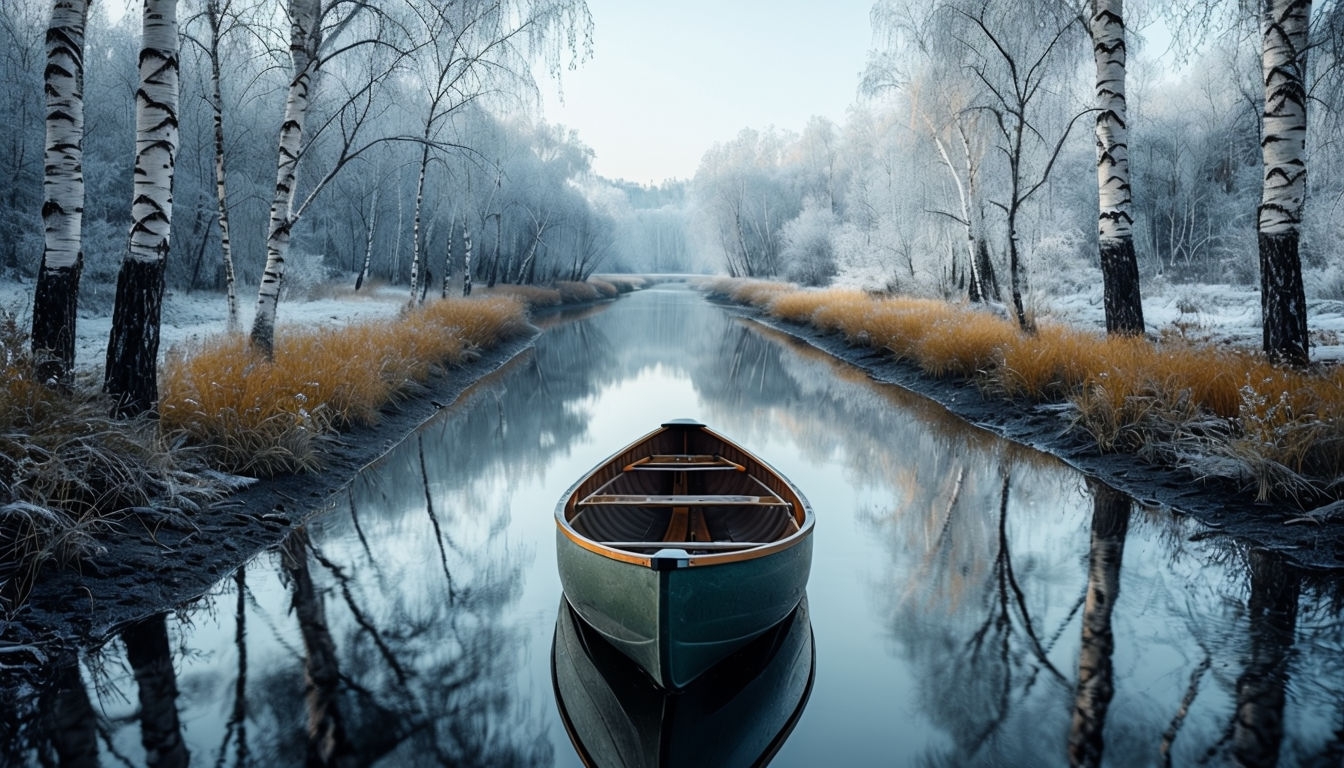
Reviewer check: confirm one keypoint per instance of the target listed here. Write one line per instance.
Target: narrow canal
(949, 611)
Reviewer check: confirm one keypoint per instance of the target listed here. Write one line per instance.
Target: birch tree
(220, 18)
(56, 298)
(1119, 265)
(305, 18)
(131, 375)
(1283, 306)
(1014, 76)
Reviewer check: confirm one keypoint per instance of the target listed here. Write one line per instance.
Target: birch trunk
(131, 375)
(1096, 675)
(448, 261)
(1119, 267)
(57, 294)
(305, 37)
(214, 15)
(1261, 690)
(466, 259)
(328, 743)
(974, 293)
(415, 219)
(1283, 306)
(368, 241)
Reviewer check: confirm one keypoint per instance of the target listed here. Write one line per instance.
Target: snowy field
(191, 317)
(1222, 314)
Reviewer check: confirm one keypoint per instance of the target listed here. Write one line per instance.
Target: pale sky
(669, 79)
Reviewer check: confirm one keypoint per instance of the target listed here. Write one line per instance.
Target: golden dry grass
(531, 295)
(964, 346)
(266, 416)
(1280, 430)
(572, 292)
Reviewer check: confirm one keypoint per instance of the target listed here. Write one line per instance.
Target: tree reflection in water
(949, 588)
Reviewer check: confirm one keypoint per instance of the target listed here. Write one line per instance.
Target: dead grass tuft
(70, 474)
(531, 295)
(1216, 410)
(964, 346)
(572, 292)
(265, 417)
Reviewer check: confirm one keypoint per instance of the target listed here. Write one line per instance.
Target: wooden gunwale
(663, 442)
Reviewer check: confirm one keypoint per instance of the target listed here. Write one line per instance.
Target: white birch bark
(1119, 266)
(466, 259)
(63, 183)
(415, 219)
(1114, 223)
(368, 241)
(305, 37)
(1284, 29)
(214, 16)
(57, 291)
(131, 374)
(448, 260)
(156, 134)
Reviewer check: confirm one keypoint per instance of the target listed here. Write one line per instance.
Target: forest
(966, 167)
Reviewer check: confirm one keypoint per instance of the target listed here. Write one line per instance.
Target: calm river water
(948, 600)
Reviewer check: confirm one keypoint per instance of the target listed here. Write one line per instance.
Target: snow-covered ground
(1203, 312)
(1222, 314)
(189, 317)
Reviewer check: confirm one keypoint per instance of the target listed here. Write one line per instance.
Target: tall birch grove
(1115, 234)
(131, 375)
(1283, 303)
(57, 293)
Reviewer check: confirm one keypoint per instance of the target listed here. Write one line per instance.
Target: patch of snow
(189, 318)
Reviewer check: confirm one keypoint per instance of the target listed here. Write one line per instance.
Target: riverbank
(1224, 505)
(148, 561)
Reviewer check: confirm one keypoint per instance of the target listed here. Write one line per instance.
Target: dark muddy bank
(150, 569)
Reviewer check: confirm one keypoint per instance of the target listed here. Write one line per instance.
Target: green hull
(737, 714)
(677, 622)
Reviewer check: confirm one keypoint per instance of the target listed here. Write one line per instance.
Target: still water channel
(946, 612)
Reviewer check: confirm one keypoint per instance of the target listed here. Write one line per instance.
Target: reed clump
(71, 475)
(538, 296)
(1219, 411)
(262, 416)
(574, 292)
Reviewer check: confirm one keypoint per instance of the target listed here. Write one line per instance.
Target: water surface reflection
(971, 602)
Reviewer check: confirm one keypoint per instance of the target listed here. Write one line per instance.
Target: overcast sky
(669, 79)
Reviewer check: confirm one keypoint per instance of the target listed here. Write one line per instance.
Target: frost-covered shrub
(1063, 264)
(303, 272)
(808, 255)
(1326, 282)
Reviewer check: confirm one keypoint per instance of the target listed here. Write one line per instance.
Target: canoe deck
(696, 502)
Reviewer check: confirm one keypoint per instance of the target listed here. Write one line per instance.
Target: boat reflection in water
(739, 713)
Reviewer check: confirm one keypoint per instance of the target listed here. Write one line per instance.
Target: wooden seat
(675, 462)
(689, 500)
(716, 546)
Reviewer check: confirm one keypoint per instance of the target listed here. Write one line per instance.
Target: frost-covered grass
(70, 475)
(63, 445)
(1218, 409)
(260, 416)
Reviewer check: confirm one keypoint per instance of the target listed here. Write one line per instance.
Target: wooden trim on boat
(688, 509)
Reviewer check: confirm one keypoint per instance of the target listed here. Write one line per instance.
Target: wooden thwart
(691, 500)
(716, 546)
(681, 461)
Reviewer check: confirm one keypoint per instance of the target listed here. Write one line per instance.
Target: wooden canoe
(681, 548)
